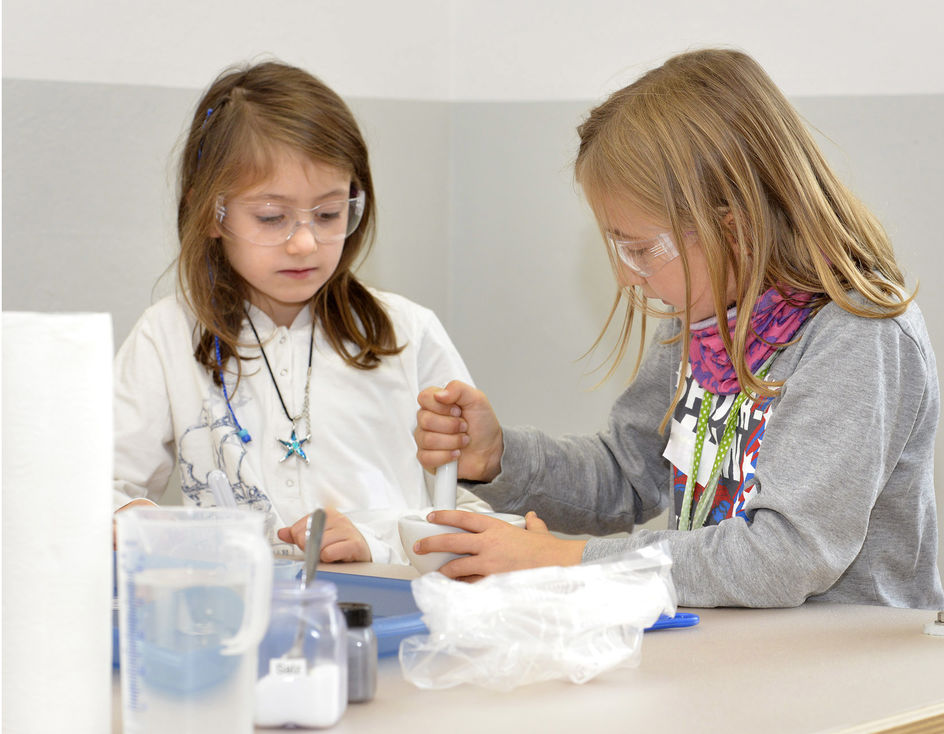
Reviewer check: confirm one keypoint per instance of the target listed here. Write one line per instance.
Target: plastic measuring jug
(194, 591)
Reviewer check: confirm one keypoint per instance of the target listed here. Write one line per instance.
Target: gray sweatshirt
(842, 508)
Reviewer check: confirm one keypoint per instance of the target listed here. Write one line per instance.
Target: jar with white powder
(303, 659)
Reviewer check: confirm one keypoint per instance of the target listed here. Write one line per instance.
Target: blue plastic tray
(396, 615)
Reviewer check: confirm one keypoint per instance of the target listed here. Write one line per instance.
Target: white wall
(521, 50)
(369, 48)
(538, 50)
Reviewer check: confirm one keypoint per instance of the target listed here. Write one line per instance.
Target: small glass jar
(361, 652)
(303, 659)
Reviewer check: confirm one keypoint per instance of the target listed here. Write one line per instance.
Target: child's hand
(457, 422)
(495, 546)
(341, 541)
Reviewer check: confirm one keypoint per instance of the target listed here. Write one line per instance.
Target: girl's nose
(303, 241)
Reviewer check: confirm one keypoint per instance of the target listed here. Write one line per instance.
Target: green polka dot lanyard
(686, 520)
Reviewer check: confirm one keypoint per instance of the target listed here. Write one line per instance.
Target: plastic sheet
(539, 624)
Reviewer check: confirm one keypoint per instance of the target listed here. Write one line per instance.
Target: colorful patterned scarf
(775, 321)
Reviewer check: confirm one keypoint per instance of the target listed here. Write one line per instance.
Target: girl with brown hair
(274, 363)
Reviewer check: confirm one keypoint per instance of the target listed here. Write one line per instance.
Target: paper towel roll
(57, 475)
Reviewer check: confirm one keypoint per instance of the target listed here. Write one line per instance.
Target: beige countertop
(816, 668)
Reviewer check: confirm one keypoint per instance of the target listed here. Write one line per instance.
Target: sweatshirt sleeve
(602, 483)
(855, 391)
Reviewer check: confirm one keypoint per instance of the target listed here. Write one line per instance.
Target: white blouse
(362, 456)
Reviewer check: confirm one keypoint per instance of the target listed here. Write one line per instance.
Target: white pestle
(444, 490)
(221, 488)
(415, 527)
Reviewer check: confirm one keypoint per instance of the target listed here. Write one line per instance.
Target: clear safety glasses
(644, 257)
(270, 224)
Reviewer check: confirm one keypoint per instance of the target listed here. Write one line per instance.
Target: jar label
(288, 667)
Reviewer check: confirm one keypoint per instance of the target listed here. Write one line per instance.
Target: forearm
(735, 564)
(576, 484)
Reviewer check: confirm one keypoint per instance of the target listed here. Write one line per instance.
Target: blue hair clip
(206, 119)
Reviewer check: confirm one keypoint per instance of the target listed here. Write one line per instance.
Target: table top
(815, 668)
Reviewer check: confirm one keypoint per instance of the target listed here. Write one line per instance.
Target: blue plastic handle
(682, 619)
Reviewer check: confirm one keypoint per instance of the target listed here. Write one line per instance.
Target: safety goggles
(647, 256)
(270, 224)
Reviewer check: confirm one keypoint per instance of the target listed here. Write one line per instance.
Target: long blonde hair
(243, 121)
(707, 142)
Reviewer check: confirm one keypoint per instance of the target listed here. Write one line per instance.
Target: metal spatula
(313, 531)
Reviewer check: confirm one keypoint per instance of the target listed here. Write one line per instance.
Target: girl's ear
(730, 227)
(214, 230)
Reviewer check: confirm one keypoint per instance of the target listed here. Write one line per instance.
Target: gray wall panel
(88, 213)
(479, 219)
(533, 284)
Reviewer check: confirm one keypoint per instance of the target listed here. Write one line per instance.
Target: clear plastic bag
(539, 624)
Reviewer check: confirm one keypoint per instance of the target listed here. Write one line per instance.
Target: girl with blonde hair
(786, 408)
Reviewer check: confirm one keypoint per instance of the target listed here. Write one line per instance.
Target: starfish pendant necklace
(294, 445)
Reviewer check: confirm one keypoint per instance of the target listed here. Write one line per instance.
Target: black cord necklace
(294, 444)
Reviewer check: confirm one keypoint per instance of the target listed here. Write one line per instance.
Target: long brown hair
(707, 142)
(244, 119)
